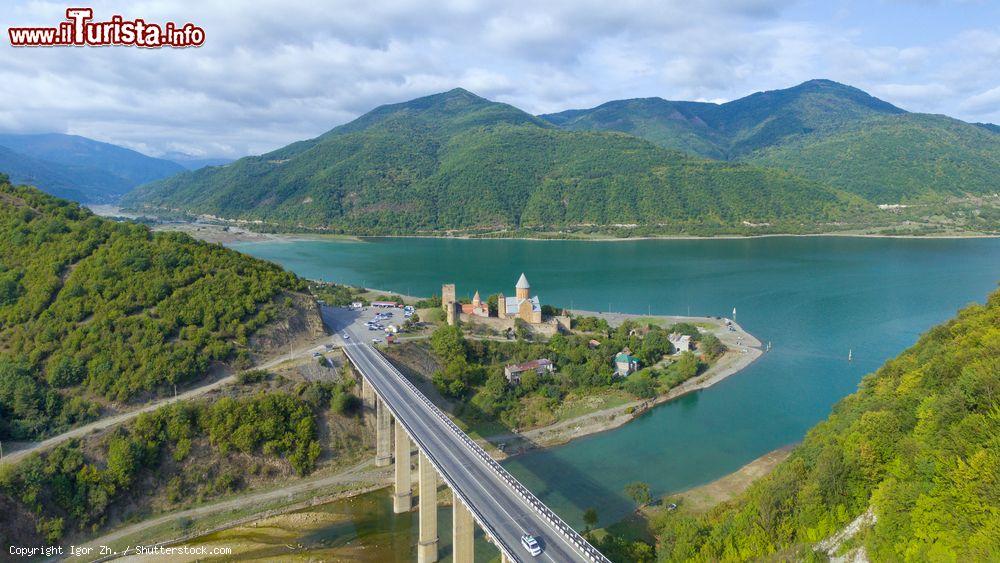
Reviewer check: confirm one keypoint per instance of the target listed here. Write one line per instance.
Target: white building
(681, 342)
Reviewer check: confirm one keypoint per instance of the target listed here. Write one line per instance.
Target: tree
(654, 346)
(529, 380)
(590, 517)
(448, 343)
(641, 385)
(711, 346)
(639, 493)
(686, 366)
(521, 329)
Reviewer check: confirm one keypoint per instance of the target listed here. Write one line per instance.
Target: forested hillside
(458, 161)
(825, 131)
(93, 311)
(266, 430)
(736, 128)
(815, 157)
(918, 444)
(896, 158)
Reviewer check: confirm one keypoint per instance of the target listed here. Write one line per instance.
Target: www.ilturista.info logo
(79, 30)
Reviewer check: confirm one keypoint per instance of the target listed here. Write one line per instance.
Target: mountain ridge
(457, 160)
(735, 128)
(79, 168)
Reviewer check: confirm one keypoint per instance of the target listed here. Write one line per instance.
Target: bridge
(484, 492)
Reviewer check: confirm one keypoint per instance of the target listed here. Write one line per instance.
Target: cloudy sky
(285, 70)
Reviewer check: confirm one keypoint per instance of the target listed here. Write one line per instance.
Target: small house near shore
(681, 342)
(541, 366)
(625, 363)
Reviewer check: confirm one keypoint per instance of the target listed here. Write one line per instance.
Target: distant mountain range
(800, 159)
(458, 161)
(195, 162)
(83, 169)
(817, 154)
(821, 130)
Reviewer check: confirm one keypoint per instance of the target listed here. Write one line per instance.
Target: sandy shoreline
(947, 236)
(252, 236)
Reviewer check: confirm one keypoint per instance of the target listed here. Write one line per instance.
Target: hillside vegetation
(918, 444)
(93, 311)
(829, 132)
(269, 430)
(736, 128)
(896, 158)
(458, 161)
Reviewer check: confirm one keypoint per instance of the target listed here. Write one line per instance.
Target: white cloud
(284, 70)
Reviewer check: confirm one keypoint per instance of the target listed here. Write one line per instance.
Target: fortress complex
(522, 305)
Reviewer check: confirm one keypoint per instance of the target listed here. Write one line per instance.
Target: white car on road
(531, 544)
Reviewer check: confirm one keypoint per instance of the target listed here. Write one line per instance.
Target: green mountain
(896, 158)
(59, 180)
(94, 311)
(918, 445)
(457, 161)
(78, 168)
(672, 125)
(732, 129)
(829, 132)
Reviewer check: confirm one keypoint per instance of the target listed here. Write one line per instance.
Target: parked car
(376, 340)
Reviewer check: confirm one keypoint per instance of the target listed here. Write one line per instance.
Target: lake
(813, 298)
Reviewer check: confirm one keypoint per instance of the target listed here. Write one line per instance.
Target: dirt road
(24, 449)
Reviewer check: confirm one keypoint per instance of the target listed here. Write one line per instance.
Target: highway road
(499, 504)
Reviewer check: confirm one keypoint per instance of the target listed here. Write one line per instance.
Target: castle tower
(523, 288)
(476, 301)
(447, 295)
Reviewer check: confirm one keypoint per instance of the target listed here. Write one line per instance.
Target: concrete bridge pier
(383, 434)
(368, 397)
(427, 547)
(402, 501)
(462, 532)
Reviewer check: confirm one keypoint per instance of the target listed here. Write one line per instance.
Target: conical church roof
(522, 283)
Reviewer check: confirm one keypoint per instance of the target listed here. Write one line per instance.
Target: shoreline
(590, 424)
(233, 234)
(560, 433)
(299, 237)
(949, 236)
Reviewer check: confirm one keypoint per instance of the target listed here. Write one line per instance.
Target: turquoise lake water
(814, 298)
